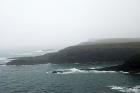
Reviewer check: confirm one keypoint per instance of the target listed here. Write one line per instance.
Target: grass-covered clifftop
(84, 53)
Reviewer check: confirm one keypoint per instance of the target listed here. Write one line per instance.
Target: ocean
(70, 78)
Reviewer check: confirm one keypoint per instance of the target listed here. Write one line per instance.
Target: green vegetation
(84, 53)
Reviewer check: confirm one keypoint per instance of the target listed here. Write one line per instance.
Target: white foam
(3, 61)
(116, 87)
(72, 70)
(34, 53)
(97, 67)
(75, 70)
(96, 71)
(135, 89)
(124, 72)
(93, 68)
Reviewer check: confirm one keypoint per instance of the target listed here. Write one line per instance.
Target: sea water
(70, 78)
(40, 79)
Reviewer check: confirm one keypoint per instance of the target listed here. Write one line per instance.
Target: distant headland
(108, 51)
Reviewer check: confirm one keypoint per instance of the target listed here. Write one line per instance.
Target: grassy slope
(85, 53)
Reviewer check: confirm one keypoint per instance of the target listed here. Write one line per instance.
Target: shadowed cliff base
(132, 65)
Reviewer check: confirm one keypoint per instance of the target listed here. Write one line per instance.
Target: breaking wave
(35, 53)
(135, 89)
(75, 70)
(3, 60)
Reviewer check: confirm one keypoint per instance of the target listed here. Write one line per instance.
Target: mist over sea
(6, 56)
(90, 38)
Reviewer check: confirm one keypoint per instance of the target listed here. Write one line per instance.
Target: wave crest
(75, 70)
(135, 89)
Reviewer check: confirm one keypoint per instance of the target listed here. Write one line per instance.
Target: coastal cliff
(92, 52)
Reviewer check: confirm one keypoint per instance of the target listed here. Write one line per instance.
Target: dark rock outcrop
(132, 65)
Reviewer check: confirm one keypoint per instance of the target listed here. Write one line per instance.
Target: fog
(59, 23)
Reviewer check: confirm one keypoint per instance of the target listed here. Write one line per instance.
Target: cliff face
(85, 53)
(133, 64)
(98, 52)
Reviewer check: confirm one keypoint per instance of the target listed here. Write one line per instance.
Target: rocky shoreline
(124, 55)
(132, 65)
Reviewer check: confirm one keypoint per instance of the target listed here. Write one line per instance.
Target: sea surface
(40, 79)
(65, 78)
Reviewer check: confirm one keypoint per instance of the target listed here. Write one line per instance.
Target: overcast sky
(55, 23)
